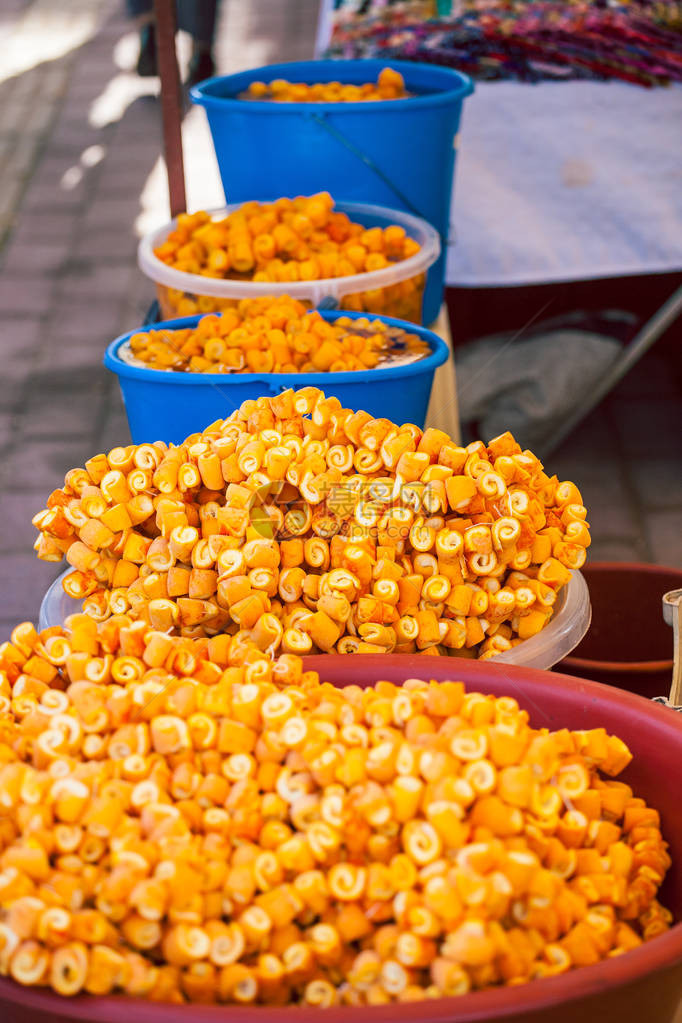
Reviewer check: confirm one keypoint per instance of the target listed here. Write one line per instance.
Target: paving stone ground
(81, 178)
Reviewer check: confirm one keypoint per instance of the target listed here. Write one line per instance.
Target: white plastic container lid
(305, 291)
(570, 622)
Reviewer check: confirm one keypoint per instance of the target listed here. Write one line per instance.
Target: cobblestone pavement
(81, 178)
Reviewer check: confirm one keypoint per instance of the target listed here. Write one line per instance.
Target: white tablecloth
(566, 181)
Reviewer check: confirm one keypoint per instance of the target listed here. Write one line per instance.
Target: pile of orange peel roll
(189, 821)
(306, 528)
(274, 335)
(390, 84)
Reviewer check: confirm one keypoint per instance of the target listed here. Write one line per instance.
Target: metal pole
(171, 102)
(672, 614)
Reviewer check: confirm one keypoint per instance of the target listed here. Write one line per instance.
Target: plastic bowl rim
(648, 567)
(617, 667)
(413, 266)
(577, 610)
(200, 95)
(275, 381)
(662, 952)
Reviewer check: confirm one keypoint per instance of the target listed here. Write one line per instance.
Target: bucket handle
(368, 161)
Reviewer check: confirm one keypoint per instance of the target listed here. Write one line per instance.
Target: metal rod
(672, 614)
(641, 342)
(171, 102)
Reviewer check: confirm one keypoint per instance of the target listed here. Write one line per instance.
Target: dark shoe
(201, 66)
(146, 63)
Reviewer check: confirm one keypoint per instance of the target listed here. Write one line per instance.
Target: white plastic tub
(567, 627)
(397, 290)
(569, 624)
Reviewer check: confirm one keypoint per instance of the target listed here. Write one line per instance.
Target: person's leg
(142, 11)
(139, 9)
(198, 17)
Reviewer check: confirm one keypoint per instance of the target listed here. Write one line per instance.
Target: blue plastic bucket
(169, 406)
(398, 153)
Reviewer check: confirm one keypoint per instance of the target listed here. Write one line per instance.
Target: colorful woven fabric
(636, 42)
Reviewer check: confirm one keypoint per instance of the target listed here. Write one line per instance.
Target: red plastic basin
(628, 644)
(644, 984)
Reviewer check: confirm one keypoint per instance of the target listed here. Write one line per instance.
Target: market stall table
(567, 182)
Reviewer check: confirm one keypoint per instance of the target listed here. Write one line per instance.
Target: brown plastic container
(628, 644)
(644, 984)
